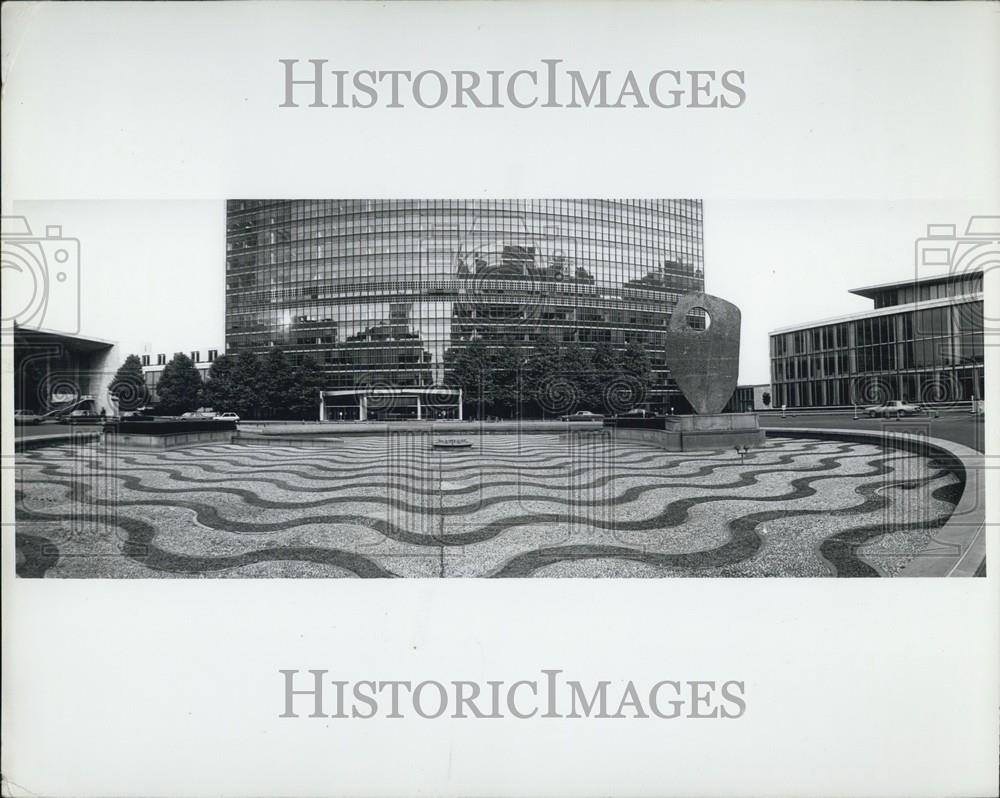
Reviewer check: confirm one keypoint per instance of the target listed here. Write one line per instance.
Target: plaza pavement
(513, 506)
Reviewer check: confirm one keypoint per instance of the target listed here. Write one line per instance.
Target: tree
(465, 368)
(505, 362)
(220, 391)
(488, 375)
(766, 398)
(307, 381)
(550, 378)
(128, 387)
(276, 384)
(540, 383)
(180, 386)
(637, 371)
(603, 375)
(576, 369)
(246, 378)
(250, 386)
(635, 361)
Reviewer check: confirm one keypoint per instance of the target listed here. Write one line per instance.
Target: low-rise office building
(154, 364)
(921, 342)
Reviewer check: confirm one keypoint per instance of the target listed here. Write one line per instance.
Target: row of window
(959, 319)
(381, 243)
(307, 301)
(953, 385)
(923, 353)
(350, 318)
(195, 355)
(246, 214)
(921, 292)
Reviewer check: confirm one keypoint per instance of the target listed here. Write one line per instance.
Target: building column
(418, 407)
(460, 405)
(363, 412)
(322, 407)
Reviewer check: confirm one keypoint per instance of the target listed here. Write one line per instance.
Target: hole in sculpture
(698, 319)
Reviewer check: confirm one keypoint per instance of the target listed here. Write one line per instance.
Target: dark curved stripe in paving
(744, 542)
(138, 546)
(841, 549)
(841, 553)
(176, 474)
(38, 554)
(673, 514)
(401, 469)
(378, 458)
(194, 486)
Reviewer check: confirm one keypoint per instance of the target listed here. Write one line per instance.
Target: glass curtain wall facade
(923, 344)
(376, 291)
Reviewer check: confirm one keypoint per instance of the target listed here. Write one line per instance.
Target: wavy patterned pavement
(536, 505)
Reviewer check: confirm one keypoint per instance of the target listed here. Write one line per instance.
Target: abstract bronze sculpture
(703, 353)
(704, 362)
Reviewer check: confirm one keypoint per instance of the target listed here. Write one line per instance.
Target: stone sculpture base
(697, 433)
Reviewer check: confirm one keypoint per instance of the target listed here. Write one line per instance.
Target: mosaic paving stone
(574, 505)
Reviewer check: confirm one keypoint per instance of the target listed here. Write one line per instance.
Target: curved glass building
(377, 291)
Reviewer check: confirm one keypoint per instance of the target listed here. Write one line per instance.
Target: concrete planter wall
(58, 439)
(130, 440)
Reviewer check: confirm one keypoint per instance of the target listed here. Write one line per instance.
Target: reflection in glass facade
(376, 291)
(923, 343)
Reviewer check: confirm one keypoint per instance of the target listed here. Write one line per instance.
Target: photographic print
(499, 398)
(499, 388)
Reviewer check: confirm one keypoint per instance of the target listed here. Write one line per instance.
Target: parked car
(83, 417)
(583, 415)
(26, 417)
(206, 414)
(638, 412)
(893, 407)
(227, 417)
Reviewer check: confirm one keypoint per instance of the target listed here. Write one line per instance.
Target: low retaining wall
(152, 425)
(137, 440)
(316, 441)
(301, 431)
(959, 547)
(56, 439)
(326, 437)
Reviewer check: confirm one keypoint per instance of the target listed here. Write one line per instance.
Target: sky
(152, 273)
(827, 117)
